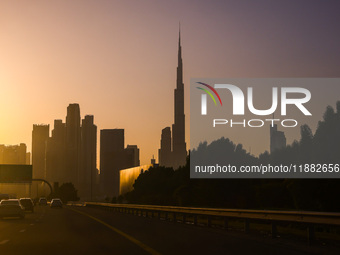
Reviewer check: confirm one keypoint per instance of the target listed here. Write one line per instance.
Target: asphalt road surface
(82, 230)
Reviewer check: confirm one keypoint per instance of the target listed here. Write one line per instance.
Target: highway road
(83, 230)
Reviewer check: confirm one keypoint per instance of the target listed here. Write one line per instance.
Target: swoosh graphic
(207, 85)
(206, 91)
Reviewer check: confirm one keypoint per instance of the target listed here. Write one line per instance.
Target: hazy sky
(118, 59)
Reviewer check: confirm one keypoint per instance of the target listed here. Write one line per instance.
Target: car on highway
(56, 203)
(11, 208)
(27, 203)
(42, 201)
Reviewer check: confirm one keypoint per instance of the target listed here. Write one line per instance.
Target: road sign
(15, 173)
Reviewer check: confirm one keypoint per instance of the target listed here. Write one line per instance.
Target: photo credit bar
(265, 128)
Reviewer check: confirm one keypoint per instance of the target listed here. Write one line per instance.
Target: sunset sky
(118, 59)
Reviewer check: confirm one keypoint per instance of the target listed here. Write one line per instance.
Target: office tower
(28, 158)
(40, 135)
(132, 156)
(164, 153)
(87, 175)
(179, 153)
(277, 139)
(111, 159)
(22, 154)
(2, 148)
(73, 143)
(13, 154)
(56, 154)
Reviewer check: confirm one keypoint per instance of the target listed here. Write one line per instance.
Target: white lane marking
(23, 230)
(4, 241)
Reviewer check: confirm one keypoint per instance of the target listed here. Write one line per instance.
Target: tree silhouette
(66, 192)
(164, 186)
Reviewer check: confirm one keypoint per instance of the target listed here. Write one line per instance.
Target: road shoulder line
(130, 238)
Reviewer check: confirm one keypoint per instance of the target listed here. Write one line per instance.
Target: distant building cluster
(14, 154)
(69, 154)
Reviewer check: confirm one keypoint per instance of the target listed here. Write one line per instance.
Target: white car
(11, 208)
(56, 202)
(42, 201)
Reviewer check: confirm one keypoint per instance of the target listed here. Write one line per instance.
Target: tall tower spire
(179, 35)
(173, 152)
(179, 152)
(180, 63)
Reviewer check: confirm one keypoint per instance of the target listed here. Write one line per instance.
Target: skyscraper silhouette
(13, 154)
(71, 153)
(87, 175)
(40, 136)
(164, 153)
(111, 159)
(73, 142)
(179, 152)
(132, 155)
(56, 154)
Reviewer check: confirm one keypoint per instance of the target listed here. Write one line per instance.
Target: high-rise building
(164, 153)
(111, 159)
(277, 139)
(87, 174)
(2, 148)
(40, 136)
(179, 153)
(56, 154)
(13, 154)
(132, 156)
(28, 158)
(73, 143)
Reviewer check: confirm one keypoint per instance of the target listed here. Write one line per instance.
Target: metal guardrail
(308, 219)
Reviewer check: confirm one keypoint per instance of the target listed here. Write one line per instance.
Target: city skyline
(54, 54)
(193, 119)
